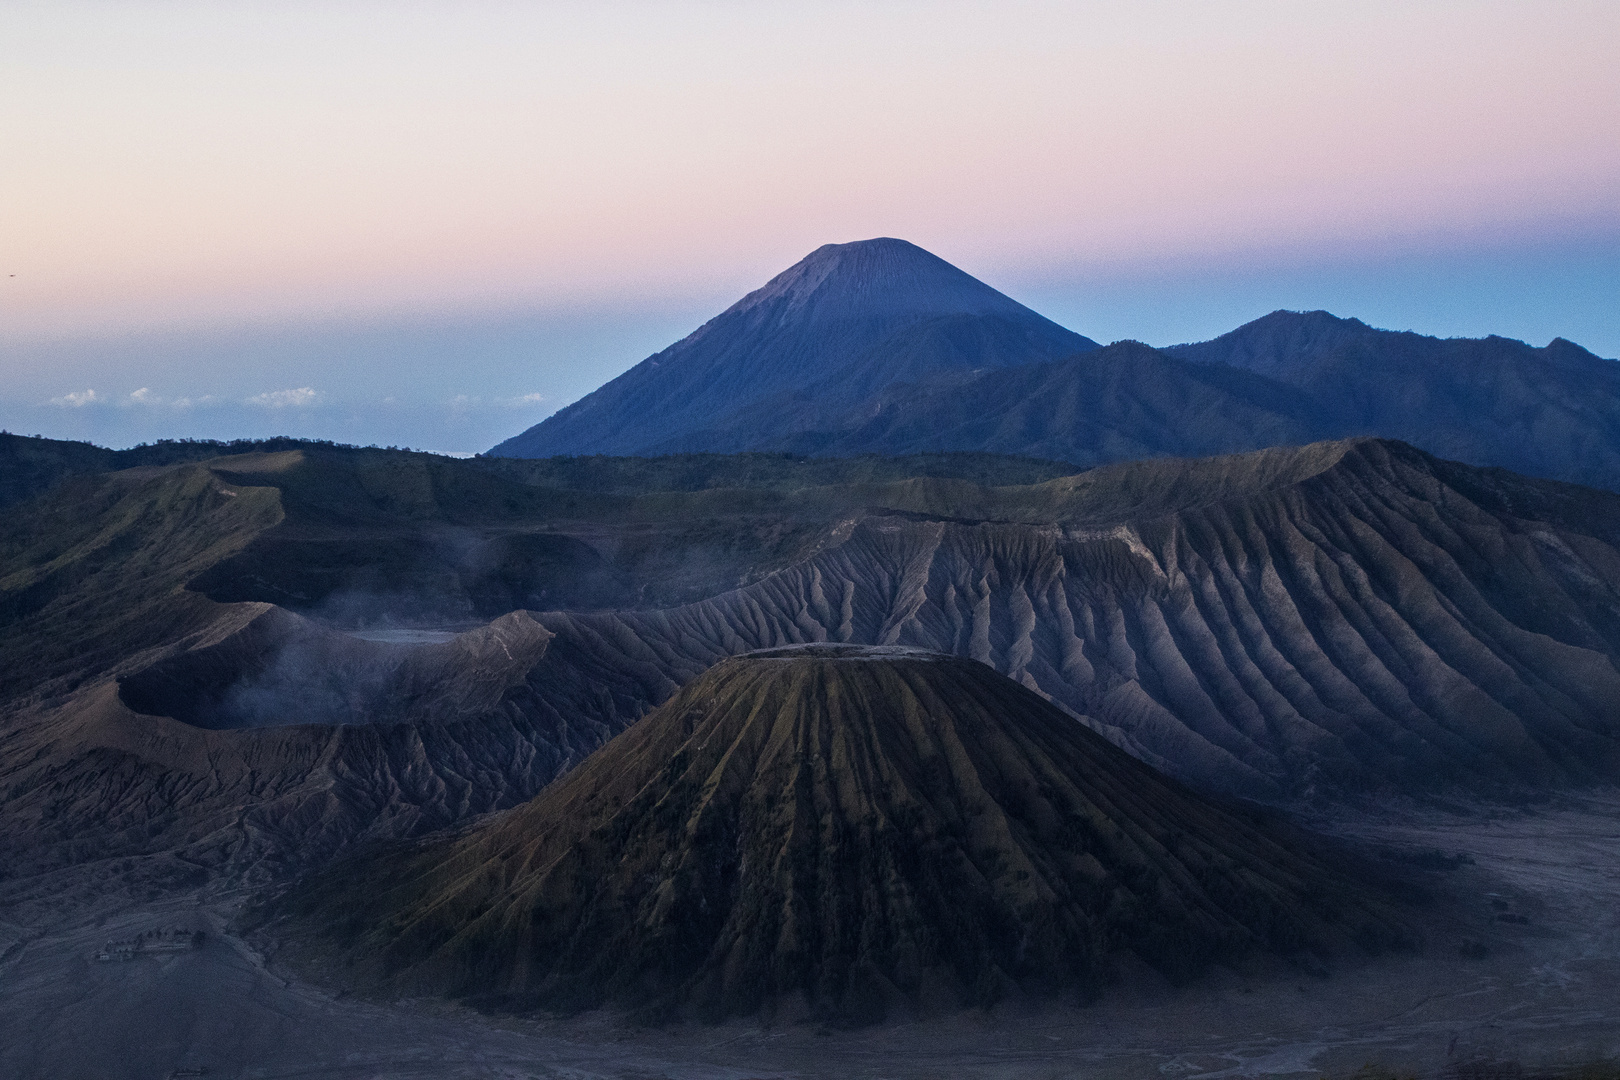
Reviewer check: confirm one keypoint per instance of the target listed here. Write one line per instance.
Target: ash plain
(1520, 963)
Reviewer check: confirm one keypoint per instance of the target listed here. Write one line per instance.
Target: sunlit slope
(845, 826)
(94, 577)
(31, 465)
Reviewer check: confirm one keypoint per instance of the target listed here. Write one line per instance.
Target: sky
(432, 223)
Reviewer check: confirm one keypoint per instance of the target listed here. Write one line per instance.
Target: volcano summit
(796, 355)
(845, 827)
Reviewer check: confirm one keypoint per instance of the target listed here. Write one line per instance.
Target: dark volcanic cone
(856, 825)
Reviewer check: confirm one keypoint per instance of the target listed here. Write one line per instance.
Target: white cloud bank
(468, 401)
(300, 398)
(76, 400)
(126, 415)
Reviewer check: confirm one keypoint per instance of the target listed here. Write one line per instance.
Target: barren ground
(1545, 991)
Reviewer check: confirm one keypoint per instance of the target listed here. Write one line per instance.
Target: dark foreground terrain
(189, 654)
(846, 833)
(1485, 989)
(220, 672)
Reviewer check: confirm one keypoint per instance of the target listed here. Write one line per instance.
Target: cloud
(280, 399)
(149, 398)
(464, 401)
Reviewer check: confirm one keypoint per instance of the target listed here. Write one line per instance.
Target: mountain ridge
(1285, 339)
(967, 369)
(1552, 411)
(831, 324)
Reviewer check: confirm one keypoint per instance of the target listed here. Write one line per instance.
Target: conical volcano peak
(829, 332)
(878, 278)
(844, 827)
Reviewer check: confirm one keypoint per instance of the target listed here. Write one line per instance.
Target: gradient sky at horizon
(431, 223)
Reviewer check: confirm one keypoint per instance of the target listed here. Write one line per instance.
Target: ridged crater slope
(839, 826)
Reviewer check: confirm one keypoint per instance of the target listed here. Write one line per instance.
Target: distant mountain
(1287, 379)
(1117, 403)
(819, 339)
(839, 827)
(881, 348)
(1552, 412)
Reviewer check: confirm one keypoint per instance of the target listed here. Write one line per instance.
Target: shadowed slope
(880, 347)
(1553, 411)
(854, 825)
(834, 328)
(1286, 379)
(370, 738)
(1116, 403)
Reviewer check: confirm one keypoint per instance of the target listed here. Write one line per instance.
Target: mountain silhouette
(814, 342)
(1288, 379)
(1552, 411)
(881, 348)
(843, 826)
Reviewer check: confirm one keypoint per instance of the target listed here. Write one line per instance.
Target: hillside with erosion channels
(878, 347)
(839, 831)
(247, 663)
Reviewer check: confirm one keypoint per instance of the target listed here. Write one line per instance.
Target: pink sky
(210, 163)
(433, 223)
